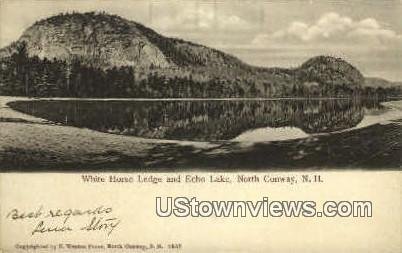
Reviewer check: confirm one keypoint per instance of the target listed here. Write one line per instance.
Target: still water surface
(201, 120)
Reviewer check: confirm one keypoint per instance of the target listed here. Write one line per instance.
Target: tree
(22, 68)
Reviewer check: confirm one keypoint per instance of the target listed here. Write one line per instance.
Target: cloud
(207, 20)
(203, 18)
(369, 44)
(333, 28)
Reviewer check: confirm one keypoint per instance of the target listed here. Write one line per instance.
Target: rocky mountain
(330, 71)
(109, 40)
(105, 41)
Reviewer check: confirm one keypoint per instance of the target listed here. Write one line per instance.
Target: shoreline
(30, 142)
(184, 99)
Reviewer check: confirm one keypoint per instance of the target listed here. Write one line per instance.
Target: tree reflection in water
(199, 120)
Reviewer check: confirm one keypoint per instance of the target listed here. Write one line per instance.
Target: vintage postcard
(200, 126)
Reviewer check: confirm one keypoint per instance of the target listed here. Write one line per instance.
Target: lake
(210, 120)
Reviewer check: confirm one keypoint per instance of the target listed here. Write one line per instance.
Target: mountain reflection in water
(203, 120)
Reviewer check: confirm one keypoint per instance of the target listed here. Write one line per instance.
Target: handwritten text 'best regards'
(99, 219)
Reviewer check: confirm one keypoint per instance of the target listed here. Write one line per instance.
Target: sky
(283, 33)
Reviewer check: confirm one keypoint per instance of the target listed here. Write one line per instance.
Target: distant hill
(330, 71)
(103, 42)
(376, 82)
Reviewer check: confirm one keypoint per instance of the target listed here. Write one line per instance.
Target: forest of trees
(22, 75)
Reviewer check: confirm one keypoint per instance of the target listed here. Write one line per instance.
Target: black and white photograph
(189, 126)
(200, 85)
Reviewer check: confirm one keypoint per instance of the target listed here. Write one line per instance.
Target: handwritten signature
(66, 220)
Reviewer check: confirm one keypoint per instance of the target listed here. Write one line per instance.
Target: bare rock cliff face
(109, 40)
(102, 39)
